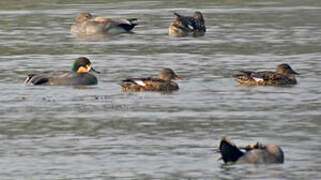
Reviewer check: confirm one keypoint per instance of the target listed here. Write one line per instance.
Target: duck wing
(256, 76)
(103, 24)
(187, 22)
(243, 73)
(262, 76)
(46, 77)
(147, 84)
(36, 79)
(127, 24)
(229, 151)
(143, 81)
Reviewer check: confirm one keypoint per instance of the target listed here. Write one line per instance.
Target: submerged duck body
(284, 75)
(86, 24)
(78, 76)
(185, 25)
(254, 154)
(162, 83)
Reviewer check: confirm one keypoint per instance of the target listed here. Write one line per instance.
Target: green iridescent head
(82, 65)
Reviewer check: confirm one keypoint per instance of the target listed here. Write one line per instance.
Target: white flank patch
(140, 82)
(191, 27)
(258, 79)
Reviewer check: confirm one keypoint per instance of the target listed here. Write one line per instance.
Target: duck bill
(93, 70)
(178, 78)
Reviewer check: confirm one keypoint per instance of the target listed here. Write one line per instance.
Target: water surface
(100, 132)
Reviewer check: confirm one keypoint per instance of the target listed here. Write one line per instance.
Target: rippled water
(102, 133)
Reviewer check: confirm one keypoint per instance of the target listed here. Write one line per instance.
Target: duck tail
(178, 15)
(248, 73)
(28, 79)
(129, 85)
(132, 20)
(237, 75)
(229, 151)
(130, 25)
(243, 73)
(34, 79)
(126, 80)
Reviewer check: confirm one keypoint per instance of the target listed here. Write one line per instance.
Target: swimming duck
(162, 83)
(78, 76)
(184, 25)
(254, 154)
(284, 75)
(89, 25)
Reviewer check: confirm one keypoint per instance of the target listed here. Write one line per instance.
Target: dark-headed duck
(78, 76)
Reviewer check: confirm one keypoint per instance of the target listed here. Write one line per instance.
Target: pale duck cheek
(140, 82)
(258, 79)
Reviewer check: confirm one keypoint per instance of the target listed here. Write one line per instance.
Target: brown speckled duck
(284, 75)
(162, 83)
(253, 154)
(90, 25)
(185, 25)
